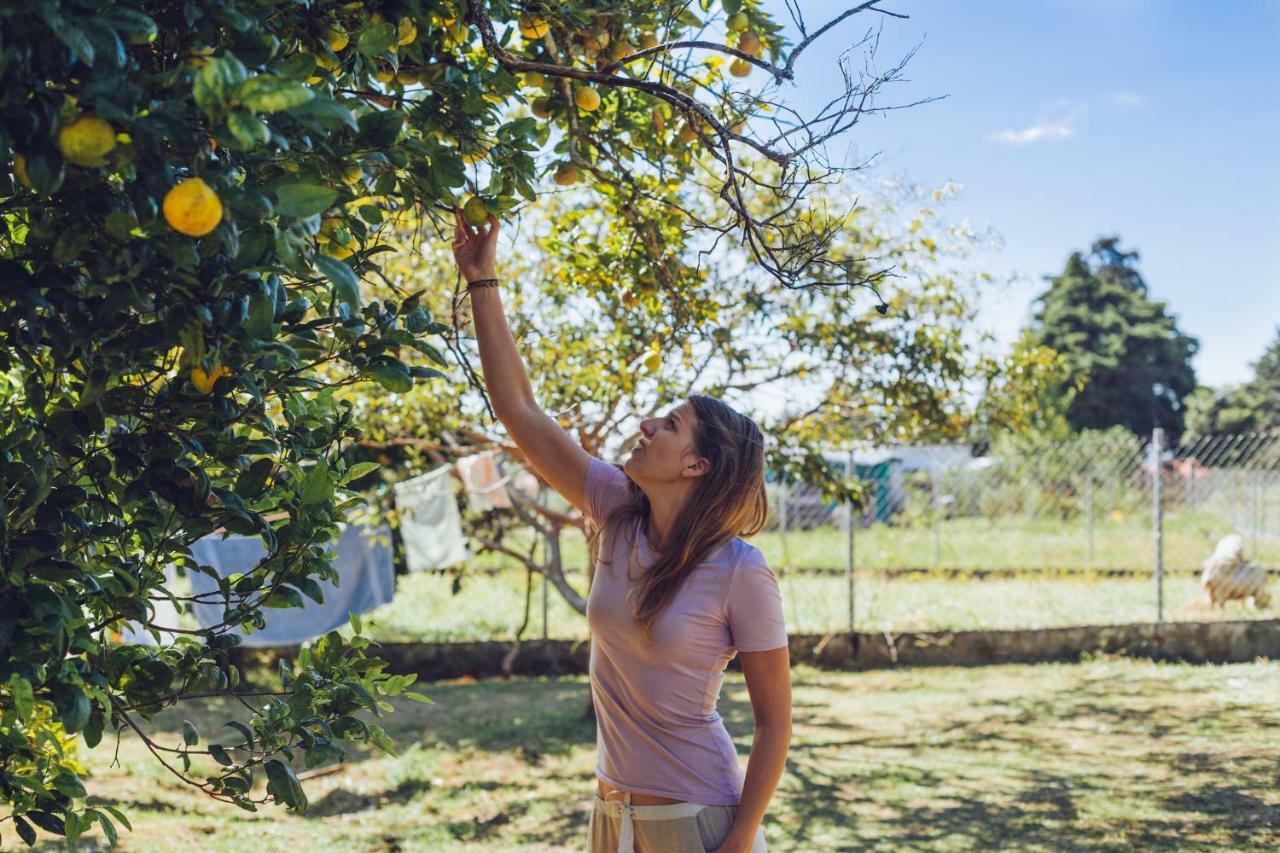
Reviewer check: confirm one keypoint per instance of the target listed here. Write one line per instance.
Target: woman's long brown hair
(728, 501)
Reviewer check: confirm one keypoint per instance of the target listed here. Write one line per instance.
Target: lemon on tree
(737, 22)
(192, 208)
(406, 32)
(648, 40)
(587, 99)
(204, 380)
(566, 174)
(474, 211)
(541, 107)
(739, 68)
(749, 42)
(336, 38)
(532, 27)
(87, 141)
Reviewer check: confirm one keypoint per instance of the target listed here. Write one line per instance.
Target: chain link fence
(1103, 528)
(1026, 534)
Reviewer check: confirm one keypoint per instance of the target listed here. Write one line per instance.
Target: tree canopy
(1134, 361)
(199, 201)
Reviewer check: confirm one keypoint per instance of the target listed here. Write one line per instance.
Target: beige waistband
(666, 811)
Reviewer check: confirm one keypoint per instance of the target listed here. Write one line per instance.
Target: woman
(675, 595)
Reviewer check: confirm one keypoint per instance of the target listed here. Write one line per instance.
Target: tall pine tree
(1136, 362)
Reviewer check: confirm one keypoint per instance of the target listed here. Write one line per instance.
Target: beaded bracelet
(482, 282)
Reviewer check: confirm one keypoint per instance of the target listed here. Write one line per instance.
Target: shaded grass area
(1104, 755)
(491, 607)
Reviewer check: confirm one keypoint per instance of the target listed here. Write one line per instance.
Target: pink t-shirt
(657, 728)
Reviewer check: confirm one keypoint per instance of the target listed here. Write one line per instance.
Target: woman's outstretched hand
(475, 247)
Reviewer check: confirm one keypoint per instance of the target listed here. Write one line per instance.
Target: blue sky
(1067, 119)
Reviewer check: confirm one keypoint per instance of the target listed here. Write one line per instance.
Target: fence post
(1088, 500)
(1157, 451)
(545, 549)
(937, 521)
(848, 563)
(782, 519)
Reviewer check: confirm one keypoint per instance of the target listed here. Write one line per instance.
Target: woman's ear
(697, 467)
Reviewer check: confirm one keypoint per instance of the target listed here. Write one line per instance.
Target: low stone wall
(1193, 642)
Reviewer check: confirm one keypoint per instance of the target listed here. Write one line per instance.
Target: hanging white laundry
(485, 485)
(430, 525)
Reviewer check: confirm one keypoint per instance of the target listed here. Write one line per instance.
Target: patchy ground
(1104, 755)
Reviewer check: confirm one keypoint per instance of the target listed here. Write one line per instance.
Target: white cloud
(1126, 100)
(1035, 133)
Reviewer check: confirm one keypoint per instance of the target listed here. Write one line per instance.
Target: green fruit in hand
(474, 212)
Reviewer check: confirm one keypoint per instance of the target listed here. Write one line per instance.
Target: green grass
(1104, 755)
(492, 606)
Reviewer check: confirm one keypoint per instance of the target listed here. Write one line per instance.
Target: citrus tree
(606, 345)
(198, 198)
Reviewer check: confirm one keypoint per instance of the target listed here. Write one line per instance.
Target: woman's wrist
(488, 275)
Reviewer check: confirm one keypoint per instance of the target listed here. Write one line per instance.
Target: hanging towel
(485, 485)
(430, 525)
(164, 615)
(366, 579)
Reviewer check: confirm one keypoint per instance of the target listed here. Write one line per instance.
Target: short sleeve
(754, 607)
(606, 488)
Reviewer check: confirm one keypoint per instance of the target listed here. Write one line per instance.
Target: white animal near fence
(1228, 576)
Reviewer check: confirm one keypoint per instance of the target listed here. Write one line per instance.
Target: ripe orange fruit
(740, 68)
(566, 174)
(532, 27)
(192, 208)
(587, 99)
(204, 381)
(749, 42)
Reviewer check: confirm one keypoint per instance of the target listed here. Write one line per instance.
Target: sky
(1065, 120)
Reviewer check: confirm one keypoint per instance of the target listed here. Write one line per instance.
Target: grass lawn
(492, 606)
(1104, 755)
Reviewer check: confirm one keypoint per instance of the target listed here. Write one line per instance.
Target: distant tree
(1133, 358)
(1253, 406)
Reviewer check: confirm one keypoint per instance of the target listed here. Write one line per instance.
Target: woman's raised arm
(552, 453)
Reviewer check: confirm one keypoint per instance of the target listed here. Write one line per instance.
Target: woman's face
(665, 449)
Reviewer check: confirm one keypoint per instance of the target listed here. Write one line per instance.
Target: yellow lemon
(737, 22)
(541, 107)
(204, 381)
(336, 38)
(533, 28)
(192, 208)
(739, 68)
(352, 174)
(86, 141)
(474, 212)
(596, 40)
(620, 49)
(749, 42)
(586, 98)
(20, 171)
(566, 174)
(533, 78)
(648, 40)
(406, 32)
(385, 75)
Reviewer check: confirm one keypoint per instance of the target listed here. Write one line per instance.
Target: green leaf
(137, 27)
(377, 39)
(267, 94)
(284, 786)
(189, 734)
(108, 828)
(379, 738)
(356, 625)
(25, 830)
(214, 82)
(23, 698)
(382, 128)
(257, 320)
(72, 36)
(316, 485)
(244, 730)
(70, 784)
(358, 470)
(253, 479)
(219, 753)
(418, 697)
(249, 130)
(302, 200)
(310, 589)
(282, 597)
(391, 374)
(345, 284)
